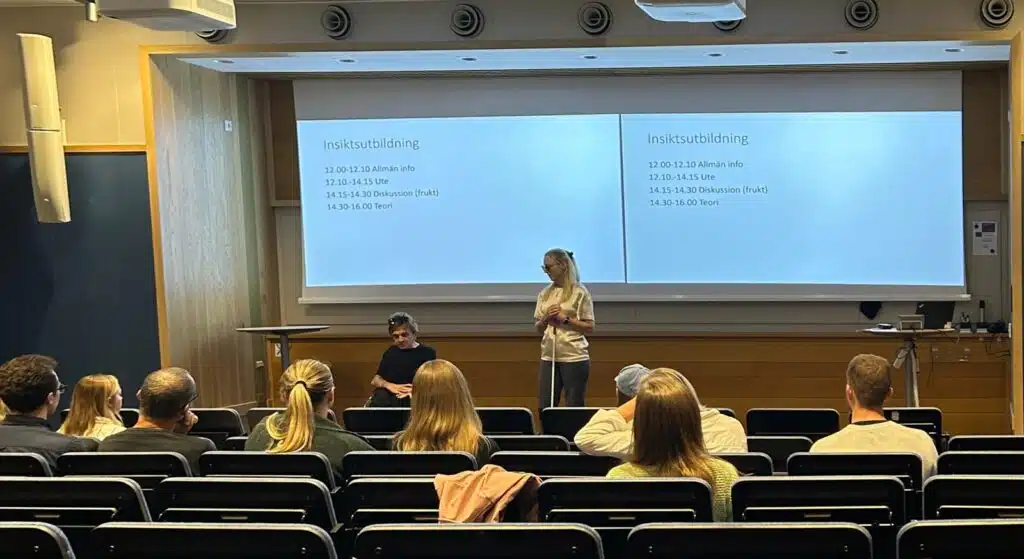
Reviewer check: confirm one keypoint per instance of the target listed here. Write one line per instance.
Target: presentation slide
(459, 200)
(760, 198)
(816, 198)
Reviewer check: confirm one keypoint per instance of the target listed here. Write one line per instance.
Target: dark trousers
(570, 377)
(383, 398)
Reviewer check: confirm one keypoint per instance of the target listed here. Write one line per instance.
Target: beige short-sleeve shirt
(560, 343)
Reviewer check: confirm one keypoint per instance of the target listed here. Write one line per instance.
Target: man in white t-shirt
(868, 384)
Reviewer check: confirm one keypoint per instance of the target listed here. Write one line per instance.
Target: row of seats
(920, 540)
(149, 467)
(611, 507)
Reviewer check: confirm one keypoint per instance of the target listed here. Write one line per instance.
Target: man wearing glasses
(30, 388)
(165, 418)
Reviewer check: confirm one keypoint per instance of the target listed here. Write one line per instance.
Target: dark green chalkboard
(82, 292)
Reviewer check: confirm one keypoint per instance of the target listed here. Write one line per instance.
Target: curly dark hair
(26, 381)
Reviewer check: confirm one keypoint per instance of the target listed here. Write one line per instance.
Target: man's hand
(400, 390)
(187, 422)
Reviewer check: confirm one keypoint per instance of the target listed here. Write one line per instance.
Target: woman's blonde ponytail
(303, 385)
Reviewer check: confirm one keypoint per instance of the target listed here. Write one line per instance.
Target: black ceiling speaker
(467, 20)
(996, 13)
(594, 18)
(213, 35)
(861, 14)
(336, 22)
(727, 26)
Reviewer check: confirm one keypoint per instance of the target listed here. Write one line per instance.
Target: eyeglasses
(400, 321)
(61, 387)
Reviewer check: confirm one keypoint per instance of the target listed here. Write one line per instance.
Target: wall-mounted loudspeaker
(213, 35)
(467, 20)
(336, 22)
(44, 129)
(861, 14)
(996, 13)
(594, 18)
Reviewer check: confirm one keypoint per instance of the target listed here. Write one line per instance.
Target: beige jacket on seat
(608, 434)
(484, 495)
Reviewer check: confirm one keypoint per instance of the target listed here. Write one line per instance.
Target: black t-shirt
(398, 366)
(158, 440)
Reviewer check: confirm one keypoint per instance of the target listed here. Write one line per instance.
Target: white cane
(554, 343)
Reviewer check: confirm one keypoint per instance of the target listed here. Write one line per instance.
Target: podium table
(907, 355)
(282, 332)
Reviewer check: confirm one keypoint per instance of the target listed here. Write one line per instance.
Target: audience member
(394, 379)
(668, 441)
(308, 388)
(95, 410)
(610, 432)
(165, 418)
(31, 390)
(868, 384)
(443, 417)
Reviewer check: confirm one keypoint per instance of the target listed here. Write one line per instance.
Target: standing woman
(564, 314)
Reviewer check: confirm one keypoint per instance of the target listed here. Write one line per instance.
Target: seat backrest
(218, 420)
(237, 495)
(171, 540)
(313, 465)
(27, 464)
(34, 539)
(388, 493)
(749, 463)
(961, 539)
(689, 494)
(57, 498)
(555, 464)
(394, 463)
(982, 462)
(987, 442)
(727, 411)
(375, 421)
(254, 415)
(548, 443)
(129, 416)
(820, 498)
(801, 540)
(506, 421)
(947, 496)
(472, 541)
(236, 444)
(565, 422)
(916, 416)
(813, 423)
(379, 442)
(779, 448)
(904, 465)
(147, 468)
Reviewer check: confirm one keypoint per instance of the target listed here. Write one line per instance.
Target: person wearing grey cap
(610, 432)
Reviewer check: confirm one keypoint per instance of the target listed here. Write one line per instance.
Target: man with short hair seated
(165, 418)
(868, 384)
(610, 432)
(30, 388)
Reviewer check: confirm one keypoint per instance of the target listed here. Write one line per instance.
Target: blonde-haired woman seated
(443, 417)
(95, 410)
(668, 441)
(308, 388)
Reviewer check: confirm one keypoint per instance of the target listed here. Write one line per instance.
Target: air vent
(213, 36)
(727, 26)
(996, 13)
(467, 20)
(336, 22)
(594, 18)
(861, 14)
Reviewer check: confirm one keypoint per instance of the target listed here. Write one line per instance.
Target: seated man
(165, 418)
(610, 432)
(868, 384)
(31, 391)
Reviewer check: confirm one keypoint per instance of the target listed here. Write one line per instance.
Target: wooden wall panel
(284, 147)
(966, 377)
(985, 99)
(203, 169)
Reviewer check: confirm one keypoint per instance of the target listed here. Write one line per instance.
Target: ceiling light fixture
(714, 54)
(840, 52)
(590, 56)
(469, 58)
(953, 49)
(224, 61)
(347, 60)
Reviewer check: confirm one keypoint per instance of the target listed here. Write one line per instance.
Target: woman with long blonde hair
(668, 440)
(95, 410)
(443, 417)
(563, 316)
(307, 387)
